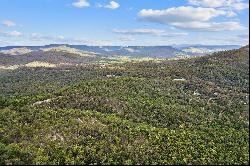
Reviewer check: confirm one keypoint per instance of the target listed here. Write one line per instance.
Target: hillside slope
(191, 111)
(55, 55)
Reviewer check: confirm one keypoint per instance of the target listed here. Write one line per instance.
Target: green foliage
(171, 112)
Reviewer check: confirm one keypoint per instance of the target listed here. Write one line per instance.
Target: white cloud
(11, 34)
(35, 36)
(139, 31)
(68, 40)
(244, 36)
(209, 26)
(180, 14)
(174, 34)
(207, 3)
(188, 17)
(14, 34)
(8, 23)
(231, 14)
(112, 5)
(81, 4)
(242, 39)
(154, 32)
(126, 38)
(39, 37)
(4, 43)
(240, 6)
(89, 42)
(237, 5)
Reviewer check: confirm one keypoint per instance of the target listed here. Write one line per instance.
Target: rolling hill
(188, 111)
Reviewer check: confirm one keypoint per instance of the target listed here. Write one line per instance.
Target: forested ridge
(190, 111)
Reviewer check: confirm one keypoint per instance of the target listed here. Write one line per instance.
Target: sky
(124, 22)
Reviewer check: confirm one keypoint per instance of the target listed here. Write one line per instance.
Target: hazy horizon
(173, 45)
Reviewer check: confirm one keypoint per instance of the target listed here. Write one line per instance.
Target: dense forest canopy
(188, 111)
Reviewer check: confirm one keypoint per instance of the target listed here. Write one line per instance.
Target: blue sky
(124, 22)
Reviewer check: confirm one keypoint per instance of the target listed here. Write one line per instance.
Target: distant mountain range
(138, 51)
(198, 50)
(63, 54)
